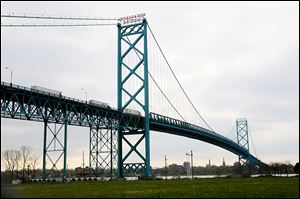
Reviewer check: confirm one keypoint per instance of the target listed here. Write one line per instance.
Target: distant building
(186, 165)
(208, 165)
(187, 168)
(174, 169)
(223, 163)
(82, 172)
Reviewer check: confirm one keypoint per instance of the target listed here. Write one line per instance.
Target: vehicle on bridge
(40, 89)
(99, 103)
(132, 111)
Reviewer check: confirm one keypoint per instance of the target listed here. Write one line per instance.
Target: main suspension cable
(158, 85)
(54, 17)
(252, 141)
(56, 25)
(177, 79)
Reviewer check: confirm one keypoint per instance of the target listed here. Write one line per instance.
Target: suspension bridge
(147, 99)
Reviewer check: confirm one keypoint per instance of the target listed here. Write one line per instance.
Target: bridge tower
(242, 137)
(103, 150)
(54, 148)
(132, 41)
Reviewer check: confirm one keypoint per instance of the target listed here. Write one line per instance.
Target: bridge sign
(132, 18)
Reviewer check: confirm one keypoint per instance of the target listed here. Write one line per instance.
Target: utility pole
(191, 154)
(82, 163)
(28, 166)
(166, 166)
(192, 163)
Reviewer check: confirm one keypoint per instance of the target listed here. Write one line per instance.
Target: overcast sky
(234, 60)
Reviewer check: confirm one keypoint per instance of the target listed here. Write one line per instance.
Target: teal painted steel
(44, 175)
(90, 148)
(146, 106)
(125, 32)
(65, 151)
(54, 146)
(242, 138)
(103, 153)
(119, 71)
(119, 94)
(173, 126)
(19, 102)
(93, 154)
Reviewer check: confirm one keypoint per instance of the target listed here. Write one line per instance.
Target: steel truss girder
(132, 35)
(52, 147)
(133, 168)
(173, 126)
(242, 139)
(103, 151)
(19, 102)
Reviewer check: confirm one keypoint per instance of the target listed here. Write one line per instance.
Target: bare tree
(7, 159)
(11, 160)
(16, 160)
(34, 160)
(25, 152)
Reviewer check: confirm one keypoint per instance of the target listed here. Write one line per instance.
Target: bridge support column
(54, 149)
(132, 45)
(44, 175)
(103, 151)
(65, 151)
(242, 138)
(120, 153)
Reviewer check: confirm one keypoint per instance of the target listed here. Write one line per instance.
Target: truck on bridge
(40, 89)
(99, 103)
(132, 111)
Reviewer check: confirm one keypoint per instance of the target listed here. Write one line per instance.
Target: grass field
(276, 187)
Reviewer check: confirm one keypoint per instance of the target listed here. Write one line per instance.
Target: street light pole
(83, 172)
(166, 166)
(28, 166)
(85, 93)
(192, 163)
(11, 74)
(191, 154)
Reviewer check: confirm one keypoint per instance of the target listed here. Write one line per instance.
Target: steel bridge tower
(242, 137)
(132, 40)
(54, 148)
(103, 150)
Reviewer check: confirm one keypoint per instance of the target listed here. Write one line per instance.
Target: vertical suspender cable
(177, 79)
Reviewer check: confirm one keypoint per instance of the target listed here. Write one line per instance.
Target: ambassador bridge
(150, 98)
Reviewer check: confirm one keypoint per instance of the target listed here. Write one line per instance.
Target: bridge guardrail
(186, 125)
(78, 112)
(41, 92)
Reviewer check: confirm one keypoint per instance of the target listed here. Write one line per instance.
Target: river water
(209, 176)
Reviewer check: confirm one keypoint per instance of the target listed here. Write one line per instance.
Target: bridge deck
(22, 103)
(173, 126)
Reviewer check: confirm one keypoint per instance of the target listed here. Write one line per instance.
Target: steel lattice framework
(242, 137)
(103, 151)
(111, 129)
(18, 102)
(54, 149)
(134, 36)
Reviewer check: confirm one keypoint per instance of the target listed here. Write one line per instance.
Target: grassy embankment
(278, 187)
